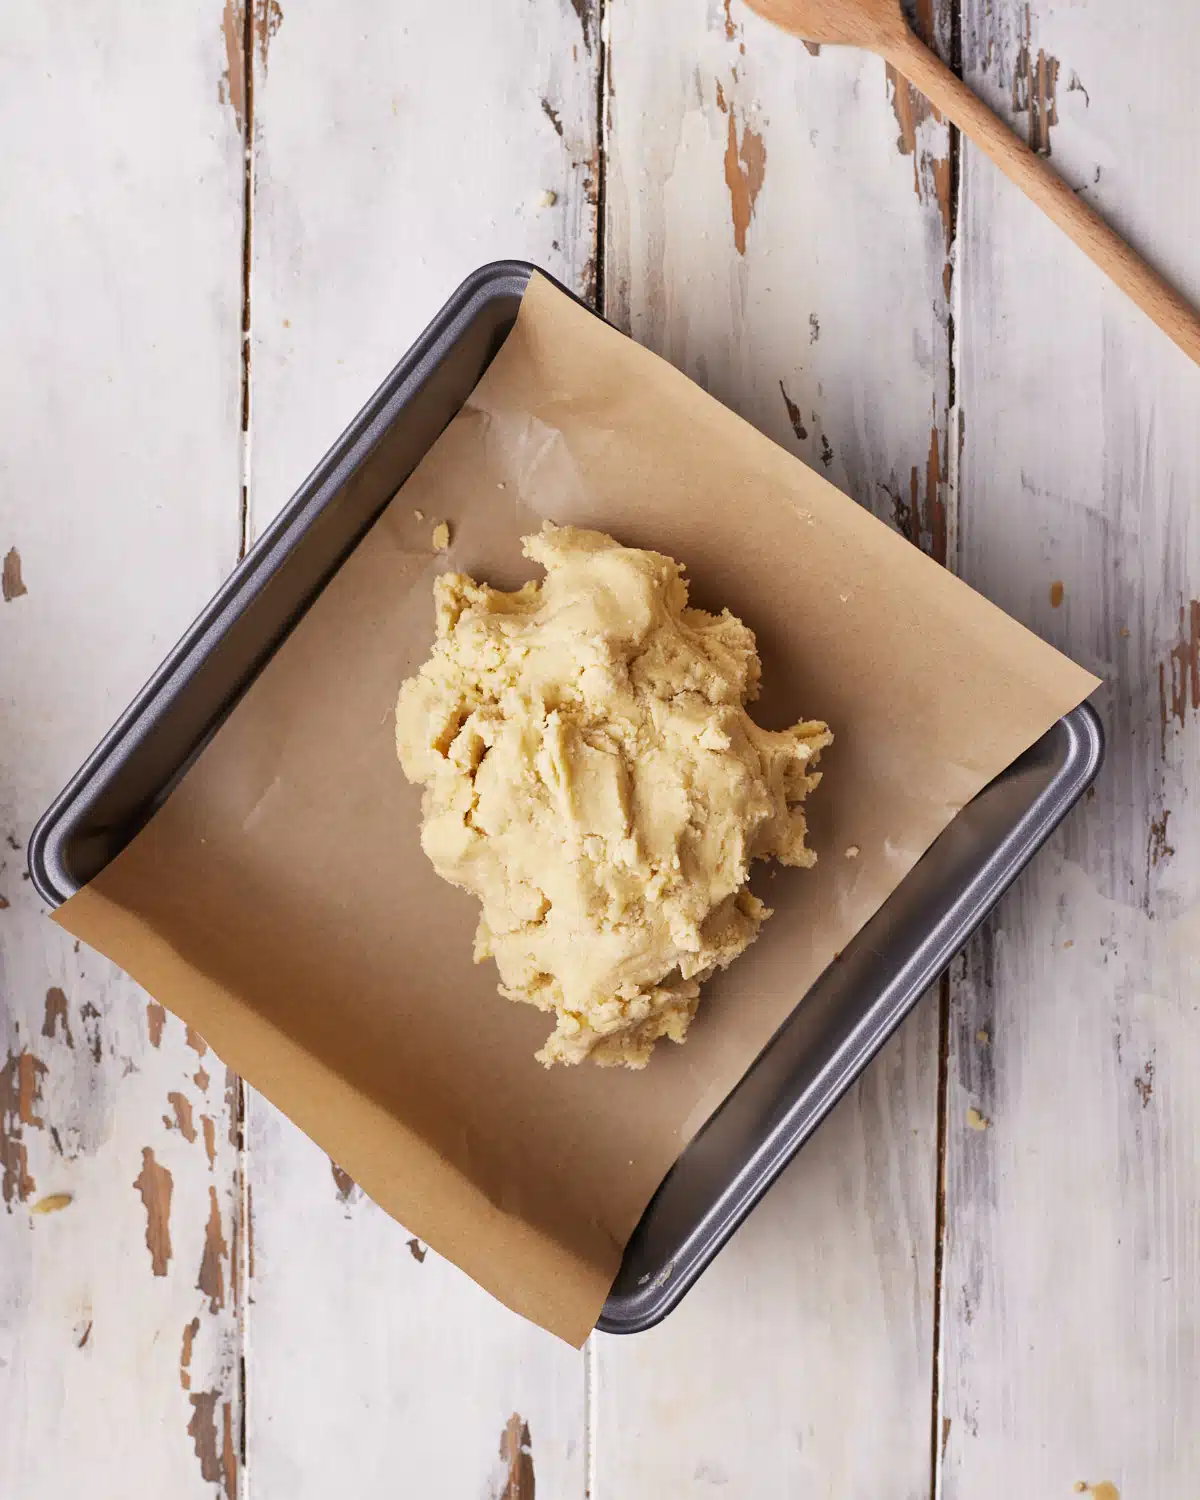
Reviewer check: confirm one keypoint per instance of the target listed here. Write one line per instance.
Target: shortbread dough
(591, 774)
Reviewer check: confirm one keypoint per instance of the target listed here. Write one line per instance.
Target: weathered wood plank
(119, 450)
(396, 149)
(779, 227)
(801, 1363)
(1071, 1286)
(375, 1363)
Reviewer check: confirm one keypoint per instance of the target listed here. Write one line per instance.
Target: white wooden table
(220, 231)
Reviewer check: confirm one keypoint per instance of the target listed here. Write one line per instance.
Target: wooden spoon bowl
(873, 24)
(879, 26)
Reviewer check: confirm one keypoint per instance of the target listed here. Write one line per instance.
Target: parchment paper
(280, 902)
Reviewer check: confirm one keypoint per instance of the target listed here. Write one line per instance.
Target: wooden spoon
(879, 26)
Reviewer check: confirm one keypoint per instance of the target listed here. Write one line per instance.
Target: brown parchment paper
(280, 902)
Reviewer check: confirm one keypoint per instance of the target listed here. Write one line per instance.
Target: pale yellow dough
(591, 774)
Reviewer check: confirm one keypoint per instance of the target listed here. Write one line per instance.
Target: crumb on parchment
(441, 536)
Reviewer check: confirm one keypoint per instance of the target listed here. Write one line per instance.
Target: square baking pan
(845, 1017)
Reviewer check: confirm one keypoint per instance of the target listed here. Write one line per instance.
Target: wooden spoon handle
(1161, 302)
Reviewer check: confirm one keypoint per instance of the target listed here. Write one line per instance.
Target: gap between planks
(939, 1234)
(603, 83)
(247, 63)
(954, 437)
(242, 1239)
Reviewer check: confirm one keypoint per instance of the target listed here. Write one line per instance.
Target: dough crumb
(441, 536)
(852, 851)
(590, 773)
(418, 515)
(977, 1121)
(548, 198)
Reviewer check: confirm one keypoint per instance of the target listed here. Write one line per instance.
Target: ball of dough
(590, 773)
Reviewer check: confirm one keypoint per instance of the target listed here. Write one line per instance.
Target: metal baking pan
(844, 1019)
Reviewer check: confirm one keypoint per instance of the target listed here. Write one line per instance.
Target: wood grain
(394, 153)
(1071, 1351)
(119, 451)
